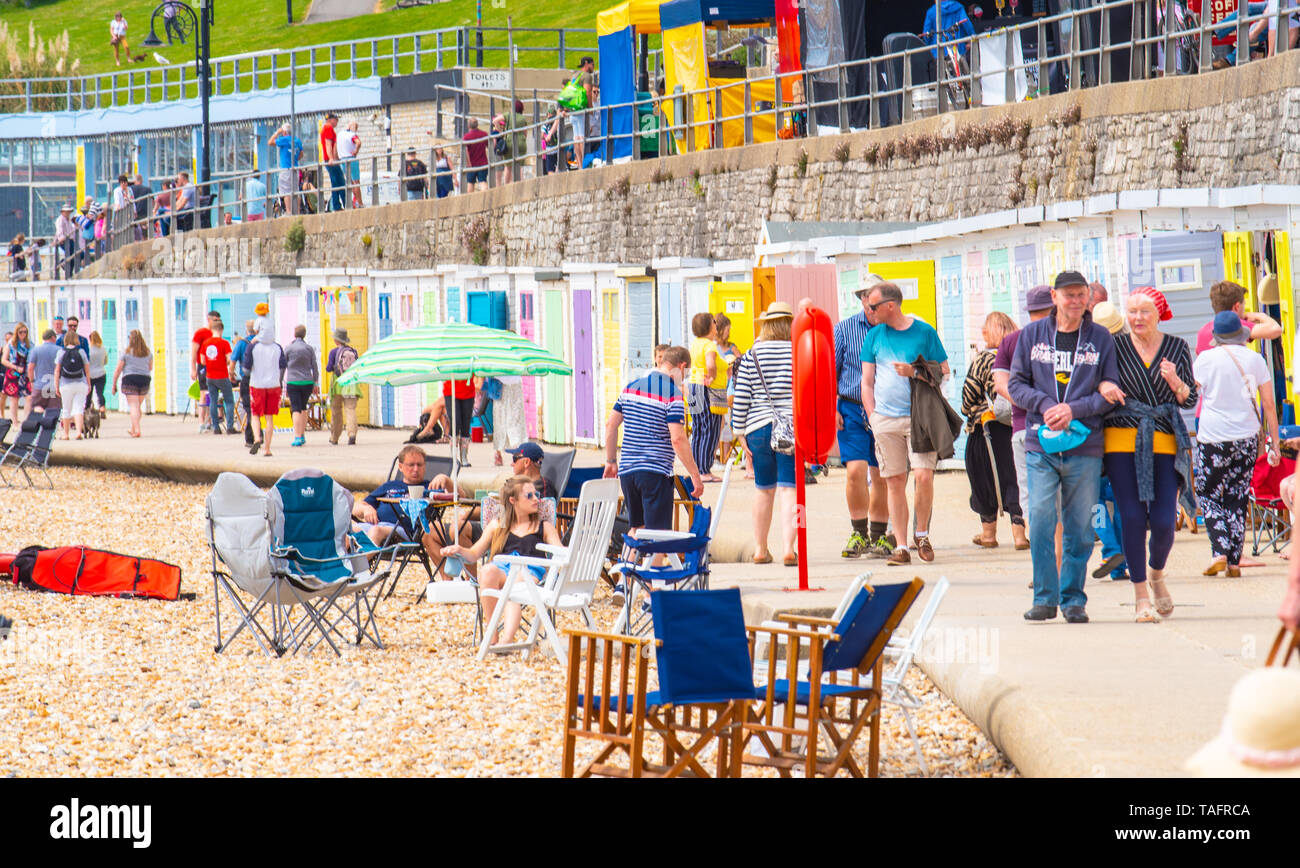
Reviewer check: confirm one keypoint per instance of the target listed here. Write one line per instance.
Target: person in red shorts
(459, 395)
(214, 353)
(265, 368)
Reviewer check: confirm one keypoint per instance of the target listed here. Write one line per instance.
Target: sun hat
(341, 335)
(778, 310)
(262, 308)
(1261, 729)
(1105, 314)
(66, 207)
(870, 282)
(1227, 329)
(1039, 298)
(1157, 298)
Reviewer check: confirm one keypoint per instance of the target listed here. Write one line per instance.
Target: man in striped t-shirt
(653, 414)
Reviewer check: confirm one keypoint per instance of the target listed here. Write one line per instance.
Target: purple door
(584, 401)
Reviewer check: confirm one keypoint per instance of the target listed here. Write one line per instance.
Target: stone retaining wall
(1180, 132)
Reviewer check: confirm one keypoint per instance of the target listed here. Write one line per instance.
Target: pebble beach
(99, 687)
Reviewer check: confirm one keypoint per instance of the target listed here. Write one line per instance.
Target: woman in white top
(135, 368)
(1230, 376)
(98, 371)
(117, 38)
(349, 146)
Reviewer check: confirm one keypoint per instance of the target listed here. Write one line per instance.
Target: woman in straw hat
(1231, 376)
(764, 392)
(1146, 444)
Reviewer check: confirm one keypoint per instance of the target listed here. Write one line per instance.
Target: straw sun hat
(1105, 314)
(777, 310)
(1261, 730)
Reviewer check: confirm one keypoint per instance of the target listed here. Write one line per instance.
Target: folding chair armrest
(595, 634)
(794, 634)
(809, 620)
(523, 560)
(646, 535)
(557, 551)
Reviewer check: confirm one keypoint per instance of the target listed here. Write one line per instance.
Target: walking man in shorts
(868, 505)
(888, 353)
(652, 411)
(214, 356)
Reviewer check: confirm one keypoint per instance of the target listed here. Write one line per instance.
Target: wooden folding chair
(1292, 646)
(705, 690)
(818, 703)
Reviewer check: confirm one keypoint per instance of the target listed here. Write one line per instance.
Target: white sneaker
(619, 596)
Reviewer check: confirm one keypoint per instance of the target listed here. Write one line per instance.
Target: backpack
(573, 96)
(73, 366)
(347, 355)
(499, 146)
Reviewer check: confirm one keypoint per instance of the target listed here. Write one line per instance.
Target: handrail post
(562, 52)
(539, 156)
(401, 180)
(1281, 26)
(1171, 62)
(415, 64)
(776, 103)
(873, 105)
(1103, 60)
(841, 109)
(27, 94)
(1243, 34)
(940, 77)
(1074, 53)
(1043, 86)
(717, 117)
(749, 116)
(374, 179)
(437, 50)
(907, 85)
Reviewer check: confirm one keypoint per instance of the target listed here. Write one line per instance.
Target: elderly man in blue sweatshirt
(1063, 370)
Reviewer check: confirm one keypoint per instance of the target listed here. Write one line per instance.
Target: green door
(108, 332)
(555, 413)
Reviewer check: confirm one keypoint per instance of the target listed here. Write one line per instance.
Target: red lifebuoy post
(814, 410)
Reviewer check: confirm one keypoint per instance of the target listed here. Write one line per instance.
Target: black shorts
(299, 394)
(462, 412)
(136, 385)
(203, 379)
(649, 499)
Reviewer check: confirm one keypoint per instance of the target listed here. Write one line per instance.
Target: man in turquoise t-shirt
(887, 357)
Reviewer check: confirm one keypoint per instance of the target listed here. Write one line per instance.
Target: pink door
(528, 329)
(818, 282)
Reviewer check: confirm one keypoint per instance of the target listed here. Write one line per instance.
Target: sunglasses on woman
(532, 495)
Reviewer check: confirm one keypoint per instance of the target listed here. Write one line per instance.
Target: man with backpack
(343, 401)
(72, 380)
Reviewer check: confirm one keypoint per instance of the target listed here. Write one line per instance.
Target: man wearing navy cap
(1064, 370)
(528, 462)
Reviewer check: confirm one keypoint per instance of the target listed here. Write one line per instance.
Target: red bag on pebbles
(92, 572)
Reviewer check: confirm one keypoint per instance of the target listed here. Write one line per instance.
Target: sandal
(791, 560)
(765, 559)
(1146, 614)
(1164, 603)
(982, 543)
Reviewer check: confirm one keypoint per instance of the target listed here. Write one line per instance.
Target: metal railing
(403, 54)
(1184, 45)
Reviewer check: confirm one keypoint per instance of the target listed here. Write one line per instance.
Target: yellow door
(736, 300)
(611, 306)
(1282, 255)
(764, 292)
(160, 361)
(1239, 265)
(351, 315)
(916, 280)
(1053, 259)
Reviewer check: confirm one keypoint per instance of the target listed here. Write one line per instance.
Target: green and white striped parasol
(450, 351)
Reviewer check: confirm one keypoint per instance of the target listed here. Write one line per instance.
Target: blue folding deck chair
(819, 703)
(687, 569)
(314, 544)
(706, 687)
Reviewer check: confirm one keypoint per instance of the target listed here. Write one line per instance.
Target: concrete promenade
(1109, 698)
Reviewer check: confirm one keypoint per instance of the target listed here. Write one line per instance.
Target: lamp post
(180, 19)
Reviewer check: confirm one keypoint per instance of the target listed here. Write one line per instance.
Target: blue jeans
(1108, 526)
(336, 186)
(1228, 26)
(1077, 479)
(221, 394)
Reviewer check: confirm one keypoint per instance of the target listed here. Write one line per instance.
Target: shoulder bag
(782, 426)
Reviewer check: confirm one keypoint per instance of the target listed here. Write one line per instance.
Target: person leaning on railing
(65, 240)
(417, 176)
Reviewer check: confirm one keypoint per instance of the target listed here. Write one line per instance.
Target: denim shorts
(771, 469)
(476, 176)
(857, 443)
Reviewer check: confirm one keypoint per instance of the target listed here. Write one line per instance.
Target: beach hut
(524, 306)
(554, 315)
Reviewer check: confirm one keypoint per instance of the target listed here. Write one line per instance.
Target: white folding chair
(903, 650)
(572, 572)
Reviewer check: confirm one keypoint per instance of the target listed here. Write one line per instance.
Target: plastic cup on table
(452, 566)
(415, 492)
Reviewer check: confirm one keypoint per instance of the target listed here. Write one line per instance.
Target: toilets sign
(487, 79)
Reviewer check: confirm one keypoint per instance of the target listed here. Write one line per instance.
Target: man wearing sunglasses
(887, 356)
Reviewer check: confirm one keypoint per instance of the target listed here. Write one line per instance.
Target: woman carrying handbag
(763, 412)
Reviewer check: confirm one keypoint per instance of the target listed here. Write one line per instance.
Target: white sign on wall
(487, 79)
(910, 286)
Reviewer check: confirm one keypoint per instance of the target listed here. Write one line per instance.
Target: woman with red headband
(1147, 449)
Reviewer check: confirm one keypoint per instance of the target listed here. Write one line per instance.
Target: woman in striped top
(752, 414)
(990, 462)
(1147, 455)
